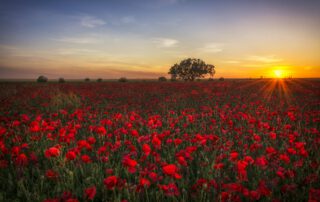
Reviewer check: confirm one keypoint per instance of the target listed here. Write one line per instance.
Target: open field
(236, 140)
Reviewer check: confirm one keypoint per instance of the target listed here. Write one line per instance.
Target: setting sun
(278, 73)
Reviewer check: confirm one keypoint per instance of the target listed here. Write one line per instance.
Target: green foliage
(61, 80)
(123, 79)
(42, 79)
(162, 78)
(190, 69)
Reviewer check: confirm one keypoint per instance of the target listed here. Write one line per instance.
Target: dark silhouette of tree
(162, 78)
(190, 69)
(42, 79)
(99, 80)
(61, 80)
(87, 79)
(123, 79)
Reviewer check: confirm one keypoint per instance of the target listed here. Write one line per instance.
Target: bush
(210, 79)
(99, 80)
(61, 80)
(162, 78)
(86, 79)
(42, 79)
(221, 79)
(123, 79)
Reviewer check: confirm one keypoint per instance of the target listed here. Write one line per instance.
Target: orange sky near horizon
(143, 39)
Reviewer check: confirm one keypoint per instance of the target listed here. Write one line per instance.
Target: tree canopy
(190, 69)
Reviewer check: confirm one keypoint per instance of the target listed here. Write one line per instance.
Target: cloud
(91, 21)
(128, 19)
(212, 48)
(79, 40)
(165, 42)
(172, 1)
(76, 51)
(166, 2)
(264, 59)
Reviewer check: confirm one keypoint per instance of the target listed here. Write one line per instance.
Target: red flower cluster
(236, 140)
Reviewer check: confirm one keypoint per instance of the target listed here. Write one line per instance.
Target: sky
(109, 39)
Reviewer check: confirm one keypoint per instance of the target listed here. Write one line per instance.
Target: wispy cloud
(76, 51)
(212, 48)
(165, 42)
(264, 59)
(128, 19)
(91, 21)
(166, 2)
(79, 40)
(173, 1)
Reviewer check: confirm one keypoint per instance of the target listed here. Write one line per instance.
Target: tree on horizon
(190, 69)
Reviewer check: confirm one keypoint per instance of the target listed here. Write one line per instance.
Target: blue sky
(143, 38)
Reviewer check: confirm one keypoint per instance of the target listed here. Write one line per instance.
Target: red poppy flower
(91, 140)
(156, 142)
(171, 170)
(218, 166)
(182, 161)
(21, 160)
(285, 158)
(261, 161)
(273, 135)
(146, 149)
(90, 192)
(153, 176)
(110, 182)
(86, 159)
(51, 174)
(101, 130)
(144, 182)
(71, 155)
(170, 189)
(129, 163)
(134, 133)
(52, 152)
(234, 156)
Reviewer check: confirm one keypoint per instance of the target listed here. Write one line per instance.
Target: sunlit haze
(144, 38)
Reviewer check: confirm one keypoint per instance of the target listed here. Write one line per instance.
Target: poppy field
(232, 140)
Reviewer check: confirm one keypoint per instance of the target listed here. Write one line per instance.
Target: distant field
(232, 140)
(141, 80)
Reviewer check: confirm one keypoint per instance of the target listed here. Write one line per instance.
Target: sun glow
(278, 73)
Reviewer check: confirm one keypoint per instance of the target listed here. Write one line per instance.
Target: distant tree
(61, 80)
(221, 79)
(210, 79)
(123, 79)
(87, 79)
(190, 69)
(162, 78)
(99, 80)
(42, 79)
